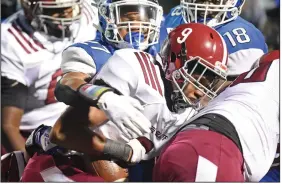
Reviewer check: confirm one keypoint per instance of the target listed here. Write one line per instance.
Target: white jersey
(35, 62)
(133, 73)
(251, 104)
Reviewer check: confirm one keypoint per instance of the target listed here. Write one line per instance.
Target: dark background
(168, 4)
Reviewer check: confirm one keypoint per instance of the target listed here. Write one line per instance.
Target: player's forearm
(11, 136)
(81, 139)
(71, 129)
(72, 132)
(66, 89)
(89, 142)
(74, 79)
(74, 90)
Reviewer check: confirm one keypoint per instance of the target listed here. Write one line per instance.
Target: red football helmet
(195, 49)
(53, 17)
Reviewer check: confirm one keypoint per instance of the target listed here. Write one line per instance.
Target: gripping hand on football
(140, 146)
(38, 141)
(125, 112)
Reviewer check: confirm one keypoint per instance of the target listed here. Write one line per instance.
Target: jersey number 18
(240, 34)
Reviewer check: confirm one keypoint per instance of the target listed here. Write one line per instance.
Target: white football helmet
(211, 12)
(54, 17)
(131, 23)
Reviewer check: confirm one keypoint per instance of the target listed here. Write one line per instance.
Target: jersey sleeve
(12, 66)
(133, 73)
(119, 74)
(87, 57)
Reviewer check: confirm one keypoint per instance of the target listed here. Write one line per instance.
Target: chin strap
(134, 39)
(178, 103)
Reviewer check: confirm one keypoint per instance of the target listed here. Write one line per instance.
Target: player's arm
(78, 68)
(72, 129)
(13, 99)
(65, 134)
(74, 90)
(72, 133)
(86, 141)
(82, 140)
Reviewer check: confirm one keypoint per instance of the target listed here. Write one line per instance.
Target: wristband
(92, 93)
(117, 150)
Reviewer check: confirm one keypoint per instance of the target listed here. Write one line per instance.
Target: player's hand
(125, 112)
(138, 151)
(38, 141)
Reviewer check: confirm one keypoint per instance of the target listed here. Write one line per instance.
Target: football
(110, 171)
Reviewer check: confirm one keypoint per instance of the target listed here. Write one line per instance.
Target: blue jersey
(245, 43)
(89, 57)
(273, 175)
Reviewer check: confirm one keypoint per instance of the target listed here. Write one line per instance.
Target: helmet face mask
(202, 76)
(55, 18)
(194, 60)
(211, 12)
(133, 23)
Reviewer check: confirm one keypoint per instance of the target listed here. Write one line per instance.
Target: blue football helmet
(211, 12)
(131, 23)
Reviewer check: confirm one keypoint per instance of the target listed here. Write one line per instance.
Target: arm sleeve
(75, 59)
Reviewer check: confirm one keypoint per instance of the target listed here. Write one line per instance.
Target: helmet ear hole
(211, 35)
(173, 57)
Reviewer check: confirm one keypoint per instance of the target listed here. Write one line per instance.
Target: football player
(234, 138)
(31, 45)
(137, 76)
(124, 24)
(245, 43)
(206, 68)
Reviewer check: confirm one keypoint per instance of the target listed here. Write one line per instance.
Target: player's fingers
(124, 130)
(134, 135)
(130, 131)
(132, 126)
(124, 137)
(135, 103)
